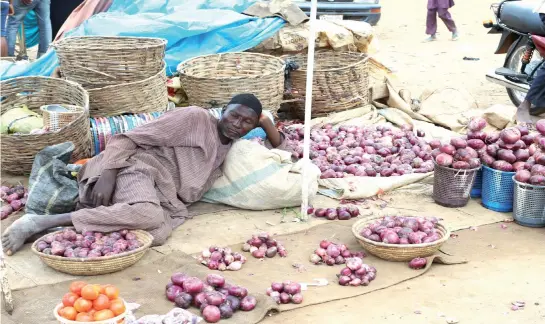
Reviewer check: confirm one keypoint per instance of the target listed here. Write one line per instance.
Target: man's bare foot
(15, 235)
(523, 113)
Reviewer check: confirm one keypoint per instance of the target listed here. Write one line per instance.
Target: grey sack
(52, 188)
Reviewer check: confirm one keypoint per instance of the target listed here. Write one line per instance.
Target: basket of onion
(528, 199)
(400, 238)
(92, 253)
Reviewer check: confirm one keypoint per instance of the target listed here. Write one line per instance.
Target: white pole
(308, 106)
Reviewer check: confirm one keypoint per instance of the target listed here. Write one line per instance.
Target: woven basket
(143, 96)
(398, 252)
(57, 120)
(341, 82)
(211, 81)
(97, 61)
(452, 187)
(96, 266)
(18, 151)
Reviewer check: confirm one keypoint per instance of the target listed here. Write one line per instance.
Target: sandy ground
(480, 291)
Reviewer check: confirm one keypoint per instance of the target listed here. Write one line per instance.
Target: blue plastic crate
(497, 190)
(476, 190)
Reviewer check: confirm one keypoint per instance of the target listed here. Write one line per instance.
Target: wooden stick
(4, 283)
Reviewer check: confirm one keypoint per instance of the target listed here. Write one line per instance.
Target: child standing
(440, 8)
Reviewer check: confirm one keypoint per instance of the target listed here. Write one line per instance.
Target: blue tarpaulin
(191, 27)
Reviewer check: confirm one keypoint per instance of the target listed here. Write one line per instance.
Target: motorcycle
(523, 41)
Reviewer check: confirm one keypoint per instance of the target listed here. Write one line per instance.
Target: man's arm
(273, 135)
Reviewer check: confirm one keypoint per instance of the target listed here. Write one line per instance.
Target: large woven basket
(341, 82)
(398, 252)
(18, 151)
(210, 81)
(142, 96)
(96, 266)
(99, 61)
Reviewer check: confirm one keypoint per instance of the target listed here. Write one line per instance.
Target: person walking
(440, 8)
(21, 8)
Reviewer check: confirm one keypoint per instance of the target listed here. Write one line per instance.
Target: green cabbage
(20, 120)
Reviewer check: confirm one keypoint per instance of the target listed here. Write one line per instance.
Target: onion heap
(263, 245)
(286, 292)
(340, 213)
(402, 230)
(217, 258)
(88, 244)
(374, 151)
(13, 199)
(331, 253)
(214, 297)
(356, 273)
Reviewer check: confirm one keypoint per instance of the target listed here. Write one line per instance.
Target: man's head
(240, 116)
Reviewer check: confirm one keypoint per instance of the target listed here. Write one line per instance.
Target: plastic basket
(476, 190)
(57, 116)
(452, 187)
(497, 191)
(116, 320)
(529, 204)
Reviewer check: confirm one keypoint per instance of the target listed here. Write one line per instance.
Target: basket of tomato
(91, 303)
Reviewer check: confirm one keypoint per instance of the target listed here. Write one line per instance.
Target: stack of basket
(121, 74)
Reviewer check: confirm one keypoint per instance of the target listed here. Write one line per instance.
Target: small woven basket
(99, 61)
(142, 96)
(18, 151)
(497, 192)
(211, 81)
(96, 266)
(529, 204)
(56, 120)
(452, 187)
(341, 82)
(398, 252)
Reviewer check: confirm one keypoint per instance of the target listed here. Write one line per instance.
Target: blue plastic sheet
(191, 27)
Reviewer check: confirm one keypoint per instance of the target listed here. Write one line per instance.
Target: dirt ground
(480, 291)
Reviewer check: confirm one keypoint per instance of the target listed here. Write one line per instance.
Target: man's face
(237, 121)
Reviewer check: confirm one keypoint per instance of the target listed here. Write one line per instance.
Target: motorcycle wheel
(513, 62)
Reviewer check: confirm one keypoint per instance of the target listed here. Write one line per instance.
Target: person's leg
(14, 22)
(3, 24)
(444, 14)
(42, 10)
(431, 24)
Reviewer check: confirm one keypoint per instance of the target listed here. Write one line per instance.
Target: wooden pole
(308, 107)
(4, 283)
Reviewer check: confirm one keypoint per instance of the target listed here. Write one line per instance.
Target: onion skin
(540, 126)
(502, 166)
(476, 124)
(211, 314)
(510, 135)
(523, 176)
(444, 159)
(173, 291)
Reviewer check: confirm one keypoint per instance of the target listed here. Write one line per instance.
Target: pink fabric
(83, 12)
(440, 4)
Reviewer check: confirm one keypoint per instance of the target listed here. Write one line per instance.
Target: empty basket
(212, 80)
(341, 82)
(99, 61)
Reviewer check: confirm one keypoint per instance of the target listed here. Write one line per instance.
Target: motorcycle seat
(520, 16)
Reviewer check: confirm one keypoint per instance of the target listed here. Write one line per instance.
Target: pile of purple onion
(340, 213)
(286, 292)
(14, 198)
(263, 245)
(214, 297)
(217, 258)
(333, 253)
(356, 273)
(371, 151)
(402, 230)
(88, 244)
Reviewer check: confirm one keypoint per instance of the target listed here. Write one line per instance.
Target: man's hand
(264, 120)
(104, 188)
(11, 11)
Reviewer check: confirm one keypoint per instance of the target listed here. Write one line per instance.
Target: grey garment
(284, 9)
(52, 188)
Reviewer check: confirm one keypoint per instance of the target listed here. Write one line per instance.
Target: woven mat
(144, 284)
